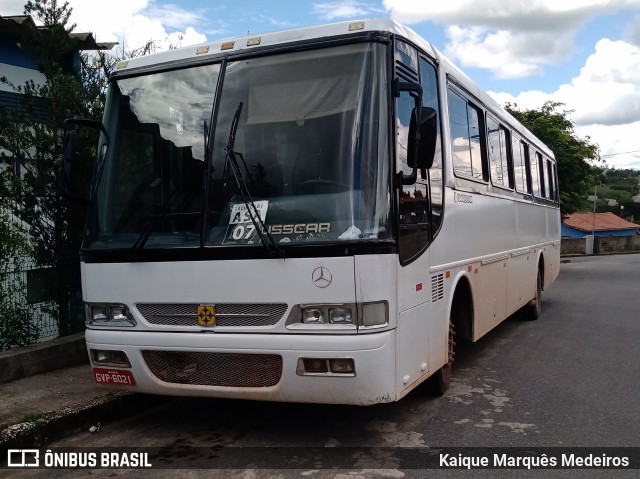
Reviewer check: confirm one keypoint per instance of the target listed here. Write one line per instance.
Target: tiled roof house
(578, 225)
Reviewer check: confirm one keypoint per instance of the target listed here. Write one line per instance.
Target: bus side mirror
(79, 155)
(423, 132)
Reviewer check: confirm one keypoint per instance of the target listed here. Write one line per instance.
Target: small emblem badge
(321, 277)
(207, 315)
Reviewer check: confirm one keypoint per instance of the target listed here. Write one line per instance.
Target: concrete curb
(42, 357)
(55, 425)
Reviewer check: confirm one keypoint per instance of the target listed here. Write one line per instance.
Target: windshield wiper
(263, 233)
(153, 221)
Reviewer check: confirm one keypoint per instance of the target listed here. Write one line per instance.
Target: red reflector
(419, 287)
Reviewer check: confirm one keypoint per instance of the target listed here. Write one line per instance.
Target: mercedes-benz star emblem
(321, 277)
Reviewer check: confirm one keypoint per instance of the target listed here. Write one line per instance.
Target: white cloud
(518, 38)
(605, 97)
(608, 88)
(344, 9)
(132, 22)
(502, 14)
(507, 54)
(619, 145)
(510, 38)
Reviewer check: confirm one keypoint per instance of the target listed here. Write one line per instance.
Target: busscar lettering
(300, 228)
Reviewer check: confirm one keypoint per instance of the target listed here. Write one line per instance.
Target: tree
(574, 156)
(622, 185)
(16, 325)
(31, 149)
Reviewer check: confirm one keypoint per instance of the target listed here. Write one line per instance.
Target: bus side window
(500, 164)
(467, 138)
(548, 179)
(521, 165)
(534, 170)
(543, 181)
(434, 178)
(556, 197)
(413, 225)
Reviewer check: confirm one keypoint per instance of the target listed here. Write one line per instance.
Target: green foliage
(31, 141)
(621, 185)
(34, 417)
(16, 325)
(574, 156)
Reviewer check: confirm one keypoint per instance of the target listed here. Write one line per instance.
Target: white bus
(308, 215)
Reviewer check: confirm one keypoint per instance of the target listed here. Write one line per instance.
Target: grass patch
(34, 417)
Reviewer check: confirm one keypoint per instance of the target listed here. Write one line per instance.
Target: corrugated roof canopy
(602, 221)
(16, 24)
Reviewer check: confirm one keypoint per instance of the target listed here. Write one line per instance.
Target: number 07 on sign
(241, 229)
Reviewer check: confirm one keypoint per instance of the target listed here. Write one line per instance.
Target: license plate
(113, 376)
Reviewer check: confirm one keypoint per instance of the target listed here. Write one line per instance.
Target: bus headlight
(112, 315)
(312, 316)
(340, 316)
(327, 315)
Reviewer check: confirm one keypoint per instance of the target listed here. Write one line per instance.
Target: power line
(623, 153)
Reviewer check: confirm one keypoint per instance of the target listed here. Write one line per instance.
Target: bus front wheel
(441, 380)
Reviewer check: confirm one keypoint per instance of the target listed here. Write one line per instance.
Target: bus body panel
(208, 282)
(373, 356)
(495, 242)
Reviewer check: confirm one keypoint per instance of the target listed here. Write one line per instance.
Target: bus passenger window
(549, 174)
(499, 163)
(519, 165)
(466, 138)
(534, 168)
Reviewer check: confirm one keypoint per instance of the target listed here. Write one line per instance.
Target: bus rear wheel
(532, 310)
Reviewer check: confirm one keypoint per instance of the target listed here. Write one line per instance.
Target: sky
(582, 53)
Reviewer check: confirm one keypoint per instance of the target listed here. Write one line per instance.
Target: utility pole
(593, 223)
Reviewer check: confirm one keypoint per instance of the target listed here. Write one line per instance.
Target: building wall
(613, 244)
(573, 246)
(568, 232)
(608, 244)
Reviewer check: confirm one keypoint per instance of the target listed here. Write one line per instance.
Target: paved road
(568, 379)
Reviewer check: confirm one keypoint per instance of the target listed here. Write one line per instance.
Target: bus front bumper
(269, 367)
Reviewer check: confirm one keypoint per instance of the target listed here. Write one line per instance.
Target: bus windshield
(310, 144)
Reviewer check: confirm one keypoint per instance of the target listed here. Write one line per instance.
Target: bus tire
(441, 380)
(532, 310)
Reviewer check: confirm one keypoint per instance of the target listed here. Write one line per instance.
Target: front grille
(215, 369)
(227, 314)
